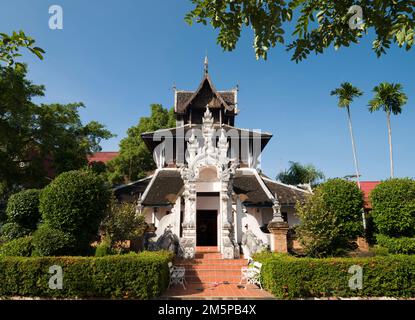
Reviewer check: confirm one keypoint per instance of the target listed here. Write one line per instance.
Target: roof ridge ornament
(206, 64)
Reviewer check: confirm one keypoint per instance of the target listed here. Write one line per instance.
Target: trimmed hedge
(289, 277)
(140, 276)
(21, 247)
(402, 245)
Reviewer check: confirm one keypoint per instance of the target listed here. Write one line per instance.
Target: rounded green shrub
(11, 230)
(345, 199)
(21, 247)
(75, 203)
(330, 219)
(53, 242)
(23, 208)
(393, 203)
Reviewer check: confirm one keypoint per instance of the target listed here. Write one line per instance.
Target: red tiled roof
(102, 156)
(367, 187)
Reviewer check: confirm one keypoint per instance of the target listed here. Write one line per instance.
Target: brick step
(211, 262)
(210, 273)
(208, 255)
(206, 249)
(212, 267)
(213, 279)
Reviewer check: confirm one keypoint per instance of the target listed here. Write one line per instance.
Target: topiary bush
(330, 219)
(393, 203)
(21, 247)
(23, 208)
(12, 230)
(132, 276)
(401, 245)
(53, 242)
(75, 203)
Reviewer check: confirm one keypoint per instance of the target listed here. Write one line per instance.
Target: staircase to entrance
(210, 276)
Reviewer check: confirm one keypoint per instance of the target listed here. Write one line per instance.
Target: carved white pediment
(208, 154)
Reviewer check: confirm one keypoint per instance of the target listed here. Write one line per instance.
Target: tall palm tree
(346, 93)
(390, 98)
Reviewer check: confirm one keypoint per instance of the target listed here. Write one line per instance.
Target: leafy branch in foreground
(11, 44)
(320, 23)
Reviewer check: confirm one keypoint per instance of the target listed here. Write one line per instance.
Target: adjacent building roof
(104, 156)
(131, 192)
(287, 194)
(367, 187)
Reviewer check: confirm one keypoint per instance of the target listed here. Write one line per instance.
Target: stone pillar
(362, 244)
(188, 241)
(279, 229)
(279, 240)
(230, 249)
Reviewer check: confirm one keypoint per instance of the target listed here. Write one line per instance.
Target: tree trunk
(390, 143)
(353, 147)
(356, 164)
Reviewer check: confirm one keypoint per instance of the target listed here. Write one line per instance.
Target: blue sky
(118, 57)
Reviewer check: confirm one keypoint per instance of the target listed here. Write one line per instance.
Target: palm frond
(346, 93)
(389, 97)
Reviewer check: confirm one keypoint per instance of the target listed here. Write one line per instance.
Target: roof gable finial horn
(206, 63)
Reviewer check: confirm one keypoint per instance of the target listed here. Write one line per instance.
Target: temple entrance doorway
(207, 228)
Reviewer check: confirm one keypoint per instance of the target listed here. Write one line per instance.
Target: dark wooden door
(207, 228)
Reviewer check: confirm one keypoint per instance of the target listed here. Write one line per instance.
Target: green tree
(135, 160)
(10, 46)
(346, 94)
(390, 98)
(320, 24)
(60, 135)
(122, 223)
(32, 135)
(330, 218)
(300, 174)
(16, 123)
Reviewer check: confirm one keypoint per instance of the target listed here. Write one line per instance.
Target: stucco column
(278, 229)
(188, 241)
(229, 249)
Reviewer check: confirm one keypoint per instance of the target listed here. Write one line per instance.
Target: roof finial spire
(206, 63)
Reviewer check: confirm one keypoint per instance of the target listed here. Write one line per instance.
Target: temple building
(207, 189)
